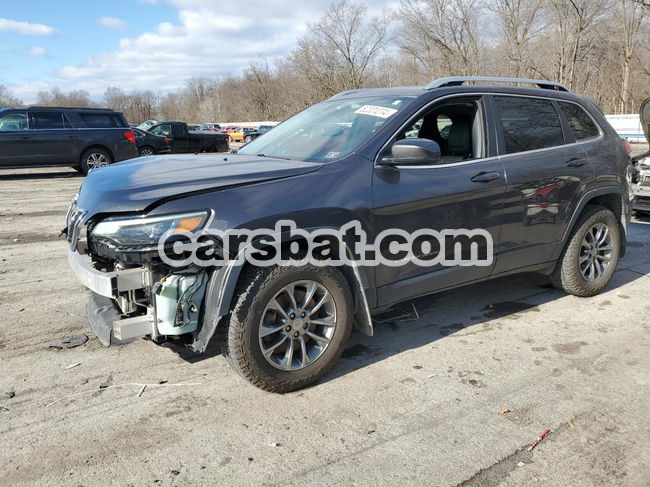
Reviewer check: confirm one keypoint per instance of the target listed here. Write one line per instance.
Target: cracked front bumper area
(132, 302)
(110, 314)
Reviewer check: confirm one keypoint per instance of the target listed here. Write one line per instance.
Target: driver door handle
(575, 162)
(486, 177)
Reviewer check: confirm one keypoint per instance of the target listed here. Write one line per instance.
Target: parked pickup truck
(83, 138)
(182, 140)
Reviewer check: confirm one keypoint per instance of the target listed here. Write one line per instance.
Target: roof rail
(458, 81)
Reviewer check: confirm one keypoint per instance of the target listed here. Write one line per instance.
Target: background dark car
(251, 134)
(83, 138)
(149, 144)
(182, 140)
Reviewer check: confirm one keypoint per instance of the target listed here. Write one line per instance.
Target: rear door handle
(575, 162)
(486, 177)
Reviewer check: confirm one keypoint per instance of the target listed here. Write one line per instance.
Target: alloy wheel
(596, 252)
(297, 325)
(95, 160)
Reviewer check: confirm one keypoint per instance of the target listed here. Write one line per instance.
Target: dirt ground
(418, 403)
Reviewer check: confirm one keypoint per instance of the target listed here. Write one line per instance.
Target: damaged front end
(641, 184)
(134, 293)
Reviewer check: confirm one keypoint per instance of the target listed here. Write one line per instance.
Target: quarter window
(582, 126)
(528, 124)
(101, 120)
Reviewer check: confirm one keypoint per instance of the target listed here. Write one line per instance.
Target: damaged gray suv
(538, 170)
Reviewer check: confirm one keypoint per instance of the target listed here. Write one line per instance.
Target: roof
(36, 107)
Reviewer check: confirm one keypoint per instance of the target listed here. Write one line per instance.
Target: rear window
(528, 124)
(582, 125)
(101, 120)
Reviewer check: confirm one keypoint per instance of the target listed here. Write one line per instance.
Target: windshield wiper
(274, 157)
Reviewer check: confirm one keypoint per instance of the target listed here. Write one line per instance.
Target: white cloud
(26, 28)
(208, 39)
(113, 23)
(38, 51)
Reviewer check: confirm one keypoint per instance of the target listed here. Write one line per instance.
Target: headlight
(146, 231)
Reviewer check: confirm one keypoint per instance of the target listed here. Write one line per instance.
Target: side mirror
(412, 152)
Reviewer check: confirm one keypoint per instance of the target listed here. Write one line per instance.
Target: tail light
(166, 140)
(130, 136)
(628, 147)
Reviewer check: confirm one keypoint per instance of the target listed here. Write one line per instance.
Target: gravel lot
(418, 403)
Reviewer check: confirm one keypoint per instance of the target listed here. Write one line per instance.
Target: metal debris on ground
(538, 439)
(503, 412)
(71, 342)
(432, 376)
(275, 444)
(10, 394)
(72, 366)
(142, 390)
(103, 388)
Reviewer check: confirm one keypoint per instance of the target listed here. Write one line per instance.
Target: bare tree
(442, 35)
(521, 21)
(574, 22)
(339, 51)
(632, 18)
(57, 98)
(7, 98)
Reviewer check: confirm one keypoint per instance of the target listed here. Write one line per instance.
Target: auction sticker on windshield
(376, 111)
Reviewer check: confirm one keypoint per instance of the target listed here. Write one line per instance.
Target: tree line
(598, 48)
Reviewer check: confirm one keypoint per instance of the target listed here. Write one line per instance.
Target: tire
(574, 272)
(239, 334)
(147, 151)
(93, 158)
(248, 139)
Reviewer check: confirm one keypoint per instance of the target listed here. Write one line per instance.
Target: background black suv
(539, 169)
(83, 138)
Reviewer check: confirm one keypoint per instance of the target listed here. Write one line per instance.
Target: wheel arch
(220, 294)
(96, 146)
(610, 197)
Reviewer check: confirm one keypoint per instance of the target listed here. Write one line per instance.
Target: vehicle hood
(136, 184)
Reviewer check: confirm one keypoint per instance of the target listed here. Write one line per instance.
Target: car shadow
(468, 310)
(19, 176)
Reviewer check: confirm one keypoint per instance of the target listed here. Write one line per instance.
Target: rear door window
(47, 120)
(527, 124)
(101, 120)
(163, 129)
(582, 125)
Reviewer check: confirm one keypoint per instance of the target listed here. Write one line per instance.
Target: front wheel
(288, 325)
(248, 139)
(589, 259)
(94, 158)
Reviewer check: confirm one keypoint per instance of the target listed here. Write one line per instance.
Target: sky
(142, 44)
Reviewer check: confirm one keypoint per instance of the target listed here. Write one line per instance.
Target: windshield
(147, 125)
(328, 131)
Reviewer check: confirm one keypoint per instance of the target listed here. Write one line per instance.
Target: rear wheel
(288, 326)
(589, 259)
(94, 158)
(147, 151)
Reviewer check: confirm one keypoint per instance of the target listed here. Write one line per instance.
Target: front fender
(220, 292)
